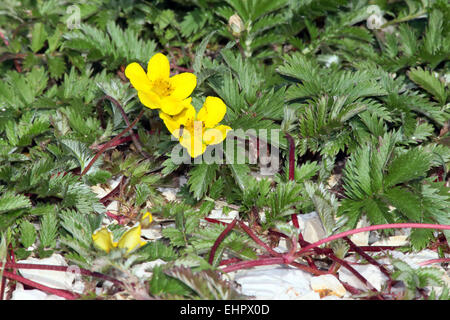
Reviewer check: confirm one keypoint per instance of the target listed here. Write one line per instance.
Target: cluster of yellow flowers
(170, 95)
(130, 240)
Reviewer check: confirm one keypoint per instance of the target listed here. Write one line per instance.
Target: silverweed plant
(264, 110)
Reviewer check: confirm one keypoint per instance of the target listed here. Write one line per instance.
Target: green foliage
(206, 284)
(415, 280)
(113, 47)
(382, 175)
(27, 233)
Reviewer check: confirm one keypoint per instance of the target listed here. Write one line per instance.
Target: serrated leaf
(161, 283)
(27, 233)
(430, 82)
(201, 176)
(412, 164)
(11, 202)
(405, 201)
(420, 238)
(38, 37)
(56, 66)
(207, 284)
(49, 230)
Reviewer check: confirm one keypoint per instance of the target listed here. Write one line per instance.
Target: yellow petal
(212, 112)
(173, 123)
(158, 67)
(146, 219)
(193, 143)
(103, 239)
(183, 84)
(149, 99)
(130, 239)
(172, 106)
(215, 135)
(138, 77)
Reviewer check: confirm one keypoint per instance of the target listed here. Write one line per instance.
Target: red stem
(314, 270)
(107, 145)
(257, 240)
(60, 268)
(253, 263)
(118, 142)
(354, 272)
(62, 293)
(219, 240)
(216, 221)
(367, 257)
(133, 136)
(291, 157)
(292, 171)
(370, 228)
(441, 260)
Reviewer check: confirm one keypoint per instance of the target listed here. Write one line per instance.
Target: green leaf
(38, 37)
(420, 238)
(27, 233)
(56, 66)
(49, 230)
(11, 202)
(406, 202)
(430, 82)
(207, 284)
(410, 165)
(161, 283)
(199, 54)
(201, 177)
(241, 174)
(375, 211)
(158, 250)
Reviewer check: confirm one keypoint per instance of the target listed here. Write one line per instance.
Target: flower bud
(146, 219)
(236, 25)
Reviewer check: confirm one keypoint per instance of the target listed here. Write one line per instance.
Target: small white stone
(275, 283)
(393, 241)
(415, 258)
(311, 227)
(219, 215)
(169, 193)
(362, 238)
(370, 272)
(327, 285)
(50, 278)
(143, 270)
(113, 206)
(152, 233)
(21, 294)
(182, 180)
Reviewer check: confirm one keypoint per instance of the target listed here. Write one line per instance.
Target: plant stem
(257, 240)
(125, 118)
(370, 228)
(219, 240)
(367, 257)
(441, 260)
(84, 272)
(253, 263)
(61, 293)
(107, 145)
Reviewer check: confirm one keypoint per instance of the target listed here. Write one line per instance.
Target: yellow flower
(103, 239)
(131, 239)
(197, 130)
(157, 90)
(146, 219)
